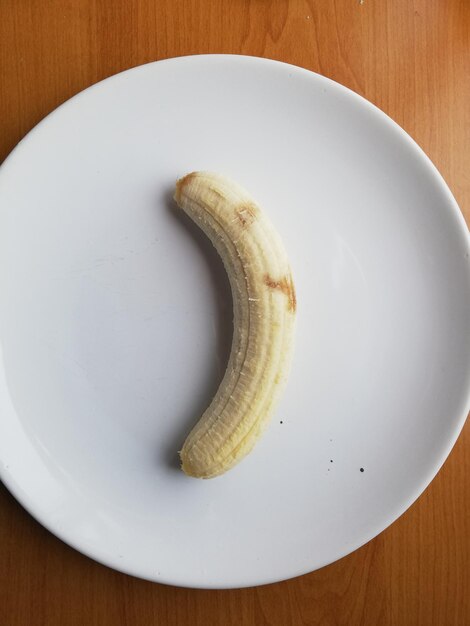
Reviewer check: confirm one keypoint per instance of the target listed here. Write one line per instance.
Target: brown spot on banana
(246, 213)
(182, 183)
(286, 286)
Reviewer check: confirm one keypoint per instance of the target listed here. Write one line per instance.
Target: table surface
(409, 57)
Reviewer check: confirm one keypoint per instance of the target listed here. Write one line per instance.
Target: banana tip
(181, 184)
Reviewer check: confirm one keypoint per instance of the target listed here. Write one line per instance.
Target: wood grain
(412, 59)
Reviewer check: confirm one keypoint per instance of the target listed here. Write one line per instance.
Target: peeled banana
(264, 305)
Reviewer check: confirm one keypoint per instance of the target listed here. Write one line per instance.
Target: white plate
(115, 321)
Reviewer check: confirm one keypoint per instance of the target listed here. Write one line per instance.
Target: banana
(264, 304)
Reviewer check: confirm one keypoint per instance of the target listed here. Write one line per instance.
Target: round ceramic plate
(115, 321)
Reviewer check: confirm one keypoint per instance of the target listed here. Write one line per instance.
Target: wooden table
(412, 59)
